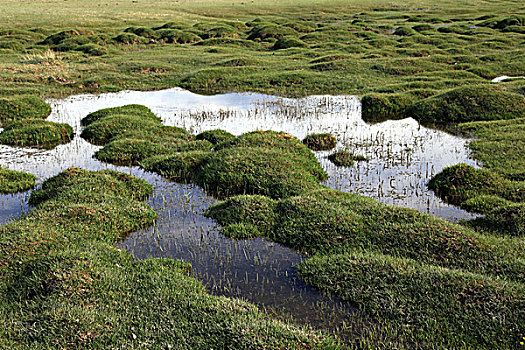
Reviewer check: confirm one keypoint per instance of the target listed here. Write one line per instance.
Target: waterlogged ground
(403, 156)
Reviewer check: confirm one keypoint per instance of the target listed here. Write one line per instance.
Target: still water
(403, 155)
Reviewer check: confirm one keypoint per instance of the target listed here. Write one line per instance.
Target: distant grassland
(217, 46)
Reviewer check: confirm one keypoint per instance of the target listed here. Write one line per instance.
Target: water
(403, 156)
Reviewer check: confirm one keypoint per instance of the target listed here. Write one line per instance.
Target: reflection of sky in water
(403, 156)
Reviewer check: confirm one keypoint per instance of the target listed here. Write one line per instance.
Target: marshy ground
(403, 278)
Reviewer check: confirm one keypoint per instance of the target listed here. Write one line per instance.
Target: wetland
(350, 176)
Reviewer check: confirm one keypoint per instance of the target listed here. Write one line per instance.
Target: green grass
(22, 108)
(14, 181)
(215, 136)
(432, 304)
(36, 133)
(470, 103)
(410, 57)
(59, 266)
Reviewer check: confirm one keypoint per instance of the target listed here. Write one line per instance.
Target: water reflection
(403, 156)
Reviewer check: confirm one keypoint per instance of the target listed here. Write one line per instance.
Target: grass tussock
(14, 181)
(28, 107)
(320, 142)
(36, 133)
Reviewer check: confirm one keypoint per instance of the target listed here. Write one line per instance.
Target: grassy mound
(133, 133)
(320, 142)
(469, 103)
(59, 263)
(36, 133)
(29, 107)
(327, 221)
(381, 107)
(345, 158)
(183, 167)
(505, 219)
(215, 136)
(461, 182)
(13, 181)
(261, 162)
(133, 109)
(499, 145)
(288, 42)
(257, 170)
(430, 305)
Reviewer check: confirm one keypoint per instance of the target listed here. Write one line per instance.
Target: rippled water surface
(403, 156)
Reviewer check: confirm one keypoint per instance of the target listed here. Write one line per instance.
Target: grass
(36, 133)
(345, 158)
(14, 181)
(16, 109)
(386, 260)
(320, 142)
(432, 303)
(420, 59)
(60, 266)
(470, 103)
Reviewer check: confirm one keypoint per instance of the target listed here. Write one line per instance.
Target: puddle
(403, 156)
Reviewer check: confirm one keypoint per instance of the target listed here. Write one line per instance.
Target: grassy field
(418, 281)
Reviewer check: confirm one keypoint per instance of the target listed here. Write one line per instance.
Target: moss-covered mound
(133, 109)
(29, 107)
(215, 136)
(36, 133)
(345, 158)
(328, 221)
(14, 181)
(261, 162)
(381, 107)
(469, 103)
(429, 304)
(182, 167)
(320, 142)
(133, 133)
(461, 182)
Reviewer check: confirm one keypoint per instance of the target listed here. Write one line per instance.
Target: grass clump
(261, 162)
(215, 136)
(29, 107)
(265, 30)
(345, 158)
(132, 133)
(461, 182)
(132, 109)
(320, 142)
(288, 42)
(469, 103)
(429, 304)
(36, 133)
(12, 181)
(379, 107)
(182, 167)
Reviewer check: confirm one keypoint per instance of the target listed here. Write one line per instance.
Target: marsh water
(403, 155)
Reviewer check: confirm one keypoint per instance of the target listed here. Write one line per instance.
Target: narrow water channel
(403, 156)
